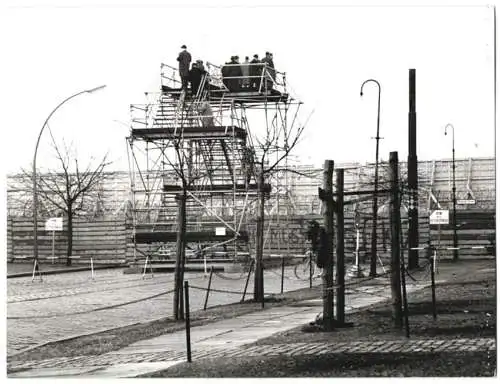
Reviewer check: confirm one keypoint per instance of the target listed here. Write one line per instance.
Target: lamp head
(361, 93)
(96, 89)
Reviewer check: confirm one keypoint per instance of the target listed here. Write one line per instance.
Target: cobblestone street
(68, 305)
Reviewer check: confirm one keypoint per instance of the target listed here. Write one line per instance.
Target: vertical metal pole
(262, 297)
(340, 278)
(455, 240)
(208, 289)
(53, 245)
(412, 175)
(433, 286)
(373, 257)
(310, 270)
(188, 324)
(282, 272)
(328, 318)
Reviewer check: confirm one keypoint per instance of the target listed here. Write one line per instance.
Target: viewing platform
(147, 237)
(217, 188)
(191, 133)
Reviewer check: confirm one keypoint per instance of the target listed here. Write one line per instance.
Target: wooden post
(395, 231)
(412, 174)
(328, 318)
(340, 278)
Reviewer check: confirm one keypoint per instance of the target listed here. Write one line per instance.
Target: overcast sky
(56, 50)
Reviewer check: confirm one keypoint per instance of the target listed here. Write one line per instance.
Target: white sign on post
(466, 202)
(220, 231)
(54, 224)
(439, 217)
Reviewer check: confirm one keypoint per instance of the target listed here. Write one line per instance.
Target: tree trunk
(258, 290)
(69, 250)
(178, 277)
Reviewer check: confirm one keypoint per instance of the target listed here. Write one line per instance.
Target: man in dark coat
(225, 71)
(235, 74)
(184, 60)
(270, 73)
(255, 72)
(195, 77)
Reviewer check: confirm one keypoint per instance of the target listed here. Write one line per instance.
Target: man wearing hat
(184, 60)
(255, 72)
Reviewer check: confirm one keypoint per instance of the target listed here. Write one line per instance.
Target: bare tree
(270, 152)
(69, 189)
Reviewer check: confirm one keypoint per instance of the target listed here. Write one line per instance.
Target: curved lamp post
(454, 189)
(373, 260)
(35, 199)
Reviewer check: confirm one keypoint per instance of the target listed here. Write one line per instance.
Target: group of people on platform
(246, 76)
(236, 76)
(194, 75)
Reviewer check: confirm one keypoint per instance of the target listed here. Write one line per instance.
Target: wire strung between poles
(96, 309)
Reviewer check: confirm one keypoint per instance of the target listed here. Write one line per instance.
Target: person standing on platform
(184, 60)
(269, 70)
(255, 72)
(245, 72)
(234, 74)
(195, 77)
(207, 116)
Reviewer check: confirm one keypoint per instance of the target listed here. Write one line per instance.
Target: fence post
(310, 270)
(188, 324)
(208, 289)
(282, 272)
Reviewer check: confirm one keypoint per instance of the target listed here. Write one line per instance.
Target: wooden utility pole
(328, 211)
(340, 248)
(395, 244)
(412, 176)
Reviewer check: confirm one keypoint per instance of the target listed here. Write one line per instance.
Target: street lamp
(35, 199)
(373, 260)
(455, 241)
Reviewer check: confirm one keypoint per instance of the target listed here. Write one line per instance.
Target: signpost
(54, 224)
(439, 217)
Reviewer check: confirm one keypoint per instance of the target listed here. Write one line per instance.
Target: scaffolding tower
(199, 143)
